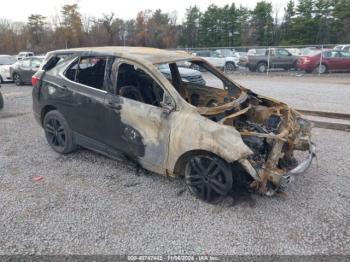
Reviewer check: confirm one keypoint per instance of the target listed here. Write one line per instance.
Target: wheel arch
(182, 160)
(261, 62)
(323, 63)
(45, 110)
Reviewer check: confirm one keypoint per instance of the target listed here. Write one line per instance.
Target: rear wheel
(1, 81)
(230, 67)
(208, 177)
(262, 67)
(17, 79)
(57, 132)
(321, 69)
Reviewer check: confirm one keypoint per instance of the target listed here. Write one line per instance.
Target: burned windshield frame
(228, 84)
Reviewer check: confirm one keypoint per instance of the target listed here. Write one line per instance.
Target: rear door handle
(64, 87)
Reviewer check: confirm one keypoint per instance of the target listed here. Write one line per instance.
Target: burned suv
(116, 101)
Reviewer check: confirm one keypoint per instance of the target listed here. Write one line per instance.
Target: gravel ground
(89, 204)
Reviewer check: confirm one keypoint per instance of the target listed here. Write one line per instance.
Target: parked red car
(332, 60)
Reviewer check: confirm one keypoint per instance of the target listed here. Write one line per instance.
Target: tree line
(305, 22)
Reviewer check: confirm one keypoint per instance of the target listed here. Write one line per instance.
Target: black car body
(1, 99)
(23, 70)
(116, 101)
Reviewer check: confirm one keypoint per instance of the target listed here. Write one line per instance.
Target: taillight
(35, 80)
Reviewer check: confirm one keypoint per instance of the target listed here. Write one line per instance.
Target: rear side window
(332, 54)
(345, 54)
(88, 71)
(282, 52)
(36, 63)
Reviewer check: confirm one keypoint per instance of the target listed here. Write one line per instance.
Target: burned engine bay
(272, 131)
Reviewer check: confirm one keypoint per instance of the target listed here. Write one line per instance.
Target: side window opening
(136, 84)
(89, 71)
(51, 61)
(72, 71)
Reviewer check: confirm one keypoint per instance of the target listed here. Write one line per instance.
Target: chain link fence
(277, 60)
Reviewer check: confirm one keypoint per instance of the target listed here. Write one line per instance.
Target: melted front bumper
(271, 178)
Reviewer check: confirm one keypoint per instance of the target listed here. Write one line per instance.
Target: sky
(19, 10)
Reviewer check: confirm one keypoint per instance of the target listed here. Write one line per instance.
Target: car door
(345, 56)
(284, 58)
(271, 58)
(333, 60)
(81, 99)
(24, 70)
(136, 124)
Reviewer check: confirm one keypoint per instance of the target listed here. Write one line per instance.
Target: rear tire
(1, 81)
(261, 67)
(58, 133)
(17, 79)
(230, 67)
(208, 177)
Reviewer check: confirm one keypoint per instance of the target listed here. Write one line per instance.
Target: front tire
(208, 177)
(58, 133)
(321, 69)
(17, 79)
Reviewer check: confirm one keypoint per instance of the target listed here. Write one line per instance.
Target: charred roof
(145, 54)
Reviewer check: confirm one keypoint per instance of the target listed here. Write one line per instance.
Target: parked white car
(5, 63)
(342, 47)
(22, 55)
(229, 63)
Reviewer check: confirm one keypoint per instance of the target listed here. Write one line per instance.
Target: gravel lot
(89, 204)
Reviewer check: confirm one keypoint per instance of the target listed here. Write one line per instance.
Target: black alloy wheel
(17, 79)
(57, 132)
(208, 177)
